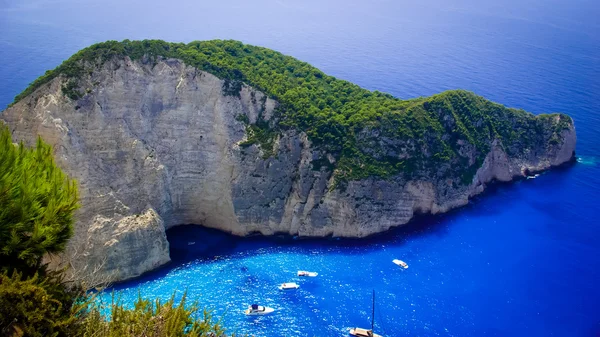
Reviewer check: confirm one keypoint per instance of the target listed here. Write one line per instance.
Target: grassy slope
(369, 133)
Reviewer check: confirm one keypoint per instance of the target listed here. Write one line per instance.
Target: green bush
(70, 89)
(38, 306)
(150, 318)
(37, 201)
(44, 306)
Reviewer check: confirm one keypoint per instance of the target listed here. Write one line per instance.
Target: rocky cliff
(159, 144)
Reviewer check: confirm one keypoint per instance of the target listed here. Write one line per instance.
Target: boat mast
(373, 314)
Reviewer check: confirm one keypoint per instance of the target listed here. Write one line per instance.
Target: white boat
(360, 332)
(191, 243)
(288, 286)
(400, 263)
(307, 273)
(256, 310)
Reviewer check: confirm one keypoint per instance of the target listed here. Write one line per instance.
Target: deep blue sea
(521, 260)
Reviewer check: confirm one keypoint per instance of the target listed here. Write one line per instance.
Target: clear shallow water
(522, 260)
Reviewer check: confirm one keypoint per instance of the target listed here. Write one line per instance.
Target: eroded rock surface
(154, 145)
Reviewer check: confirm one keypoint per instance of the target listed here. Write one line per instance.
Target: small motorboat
(255, 310)
(191, 243)
(360, 332)
(289, 286)
(400, 263)
(307, 273)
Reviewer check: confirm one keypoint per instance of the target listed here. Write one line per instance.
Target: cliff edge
(156, 141)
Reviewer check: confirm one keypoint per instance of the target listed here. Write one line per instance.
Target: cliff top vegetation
(369, 133)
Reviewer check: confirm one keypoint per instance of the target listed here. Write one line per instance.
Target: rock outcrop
(155, 145)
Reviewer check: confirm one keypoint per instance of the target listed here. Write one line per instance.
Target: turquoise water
(520, 260)
(485, 270)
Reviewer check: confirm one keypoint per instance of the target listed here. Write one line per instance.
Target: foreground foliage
(149, 318)
(37, 201)
(368, 133)
(43, 306)
(40, 305)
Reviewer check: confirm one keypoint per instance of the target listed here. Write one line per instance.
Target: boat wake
(588, 160)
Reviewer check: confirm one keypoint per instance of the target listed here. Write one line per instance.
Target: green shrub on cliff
(152, 319)
(37, 201)
(40, 305)
(368, 133)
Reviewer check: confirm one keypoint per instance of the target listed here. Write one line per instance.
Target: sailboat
(360, 332)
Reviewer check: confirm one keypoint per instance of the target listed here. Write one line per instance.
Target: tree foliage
(37, 201)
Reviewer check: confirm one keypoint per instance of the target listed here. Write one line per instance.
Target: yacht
(289, 286)
(255, 310)
(400, 263)
(307, 273)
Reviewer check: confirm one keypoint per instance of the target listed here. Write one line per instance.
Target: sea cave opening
(189, 242)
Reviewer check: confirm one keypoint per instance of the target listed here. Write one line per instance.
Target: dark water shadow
(191, 243)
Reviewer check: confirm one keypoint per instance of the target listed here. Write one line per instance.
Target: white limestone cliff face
(156, 145)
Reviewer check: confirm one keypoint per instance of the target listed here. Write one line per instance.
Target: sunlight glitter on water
(471, 272)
